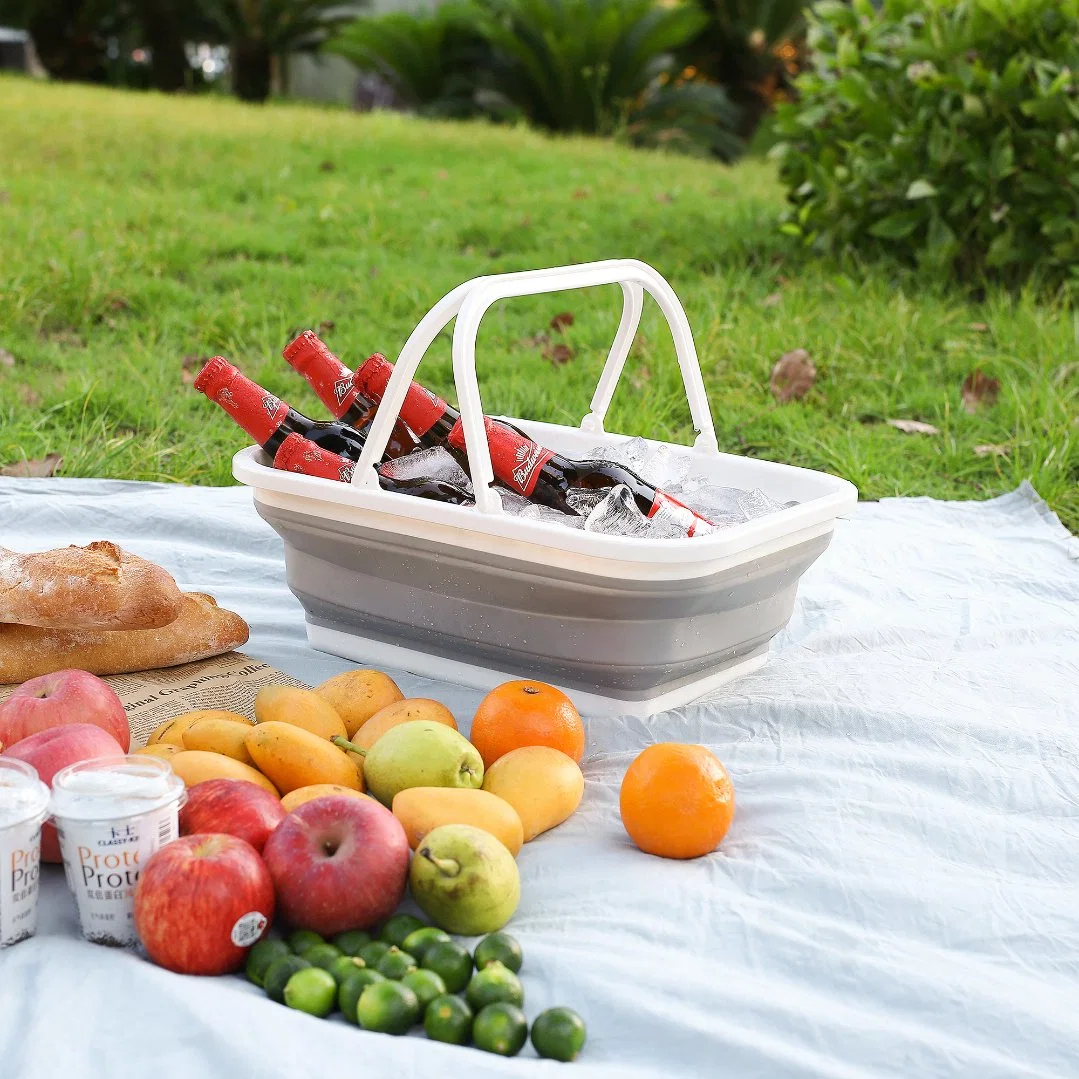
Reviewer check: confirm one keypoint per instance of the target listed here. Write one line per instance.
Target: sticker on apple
(248, 929)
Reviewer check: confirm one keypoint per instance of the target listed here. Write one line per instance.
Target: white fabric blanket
(898, 895)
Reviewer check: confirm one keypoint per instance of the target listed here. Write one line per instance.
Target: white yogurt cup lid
(112, 788)
(22, 794)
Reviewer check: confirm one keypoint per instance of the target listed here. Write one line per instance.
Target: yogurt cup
(23, 803)
(111, 815)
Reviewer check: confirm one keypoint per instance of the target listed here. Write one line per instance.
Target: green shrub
(941, 133)
(601, 67)
(435, 60)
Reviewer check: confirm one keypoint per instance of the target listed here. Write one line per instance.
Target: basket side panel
(626, 639)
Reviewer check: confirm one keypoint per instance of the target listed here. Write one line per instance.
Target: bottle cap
(214, 375)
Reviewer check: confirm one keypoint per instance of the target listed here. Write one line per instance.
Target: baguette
(97, 587)
(202, 630)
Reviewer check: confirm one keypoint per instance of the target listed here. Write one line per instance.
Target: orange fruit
(526, 713)
(677, 801)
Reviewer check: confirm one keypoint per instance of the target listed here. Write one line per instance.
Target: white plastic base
(428, 665)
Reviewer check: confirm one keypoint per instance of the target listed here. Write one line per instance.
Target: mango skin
(301, 707)
(195, 766)
(544, 785)
(172, 730)
(357, 695)
(317, 790)
(422, 809)
(219, 736)
(393, 715)
(293, 757)
(162, 749)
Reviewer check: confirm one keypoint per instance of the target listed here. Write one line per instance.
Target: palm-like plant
(736, 47)
(259, 30)
(433, 60)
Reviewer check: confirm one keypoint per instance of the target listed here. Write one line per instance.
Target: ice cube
(537, 512)
(513, 503)
(661, 466)
(632, 453)
(721, 505)
(619, 515)
(756, 504)
(585, 501)
(436, 463)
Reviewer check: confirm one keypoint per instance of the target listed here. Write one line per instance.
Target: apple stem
(347, 746)
(450, 866)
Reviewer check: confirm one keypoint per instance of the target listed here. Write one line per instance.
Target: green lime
(450, 962)
(398, 927)
(278, 974)
(299, 940)
(500, 946)
(396, 964)
(344, 966)
(322, 955)
(417, 942)
(558, 1034)
(352, 940)
(495, 984)
(261, 956)
(388, 1007)
(312, 990)
(500, 1028)
(448, 1019)
(373, 952)
(352, 988)
(426, 984)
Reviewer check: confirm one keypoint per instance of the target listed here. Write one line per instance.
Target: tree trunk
(67, 42)
(251, 70)
(164, 34)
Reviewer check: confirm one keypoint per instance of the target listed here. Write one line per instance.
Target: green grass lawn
(137, 230)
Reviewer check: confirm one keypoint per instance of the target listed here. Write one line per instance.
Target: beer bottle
(547, 477)
(266, 418)
(335, 387)
(299, 454)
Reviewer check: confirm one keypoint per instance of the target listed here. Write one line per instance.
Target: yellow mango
(196, 766)
(293, 757)
(357, 695)
(401, 712)
(172, 730)
(542, 784)
(301, 707)
(318, 790)
(219, 736)
(162, 749)
(421, 809)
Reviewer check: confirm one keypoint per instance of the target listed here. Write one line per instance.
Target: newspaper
(227, 682)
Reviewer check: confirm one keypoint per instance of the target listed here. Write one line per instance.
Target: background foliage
(944, 133)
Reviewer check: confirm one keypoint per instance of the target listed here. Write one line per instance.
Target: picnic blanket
(897, 895)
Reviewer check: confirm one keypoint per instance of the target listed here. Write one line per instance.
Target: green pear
(421, 754)
(465, 880)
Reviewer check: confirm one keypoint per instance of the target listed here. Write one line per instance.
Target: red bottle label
(422, 409)
(669, 508)
(259, 413)
(515, 460)
(329, 377)
(299, 454)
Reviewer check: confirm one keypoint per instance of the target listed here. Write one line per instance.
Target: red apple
(233, 806)
(50, 750)
(201, 902)
(338, 863)
(60, 698)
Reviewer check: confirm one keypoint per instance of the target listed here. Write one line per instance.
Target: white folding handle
(470, 301)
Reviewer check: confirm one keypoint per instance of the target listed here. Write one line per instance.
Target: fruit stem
(347, 746)
(450, 866)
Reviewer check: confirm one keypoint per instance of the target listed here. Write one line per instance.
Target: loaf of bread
(202, 630)
(98, 587)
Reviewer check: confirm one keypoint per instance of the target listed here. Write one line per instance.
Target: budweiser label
(516, 460)
(329, 377)
(666, 508)
(259, 413)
